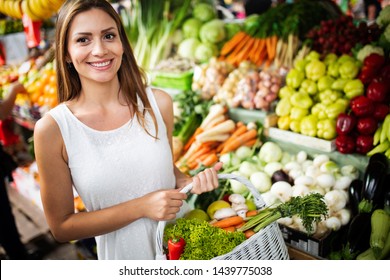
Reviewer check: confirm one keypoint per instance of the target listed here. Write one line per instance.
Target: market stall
(295, 100)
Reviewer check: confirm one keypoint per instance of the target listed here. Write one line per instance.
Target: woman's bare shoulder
(46, 128)
(162, 97)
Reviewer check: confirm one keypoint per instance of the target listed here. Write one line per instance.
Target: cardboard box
(317, 247)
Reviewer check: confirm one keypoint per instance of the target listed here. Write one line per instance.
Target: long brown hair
(131, 77)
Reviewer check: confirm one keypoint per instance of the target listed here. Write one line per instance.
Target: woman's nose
(99, 49)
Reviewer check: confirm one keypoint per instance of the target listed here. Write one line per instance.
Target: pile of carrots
(231, 224)
(216, 135)
(242, 47)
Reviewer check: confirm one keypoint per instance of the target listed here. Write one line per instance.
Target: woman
(110, 138)
(9, 234)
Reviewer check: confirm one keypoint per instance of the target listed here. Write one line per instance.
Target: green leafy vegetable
(310, 208)
(203, 241)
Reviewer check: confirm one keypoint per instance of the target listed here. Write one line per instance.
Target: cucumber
(366, 255)
(380, 228)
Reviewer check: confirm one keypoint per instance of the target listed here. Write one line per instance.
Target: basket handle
(161, 225)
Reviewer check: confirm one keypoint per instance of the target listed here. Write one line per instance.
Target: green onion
(310, 208)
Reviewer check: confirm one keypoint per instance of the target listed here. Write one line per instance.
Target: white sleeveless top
(110, 167)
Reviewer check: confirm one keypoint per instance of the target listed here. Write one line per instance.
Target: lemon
(197, 214)
(214, 206)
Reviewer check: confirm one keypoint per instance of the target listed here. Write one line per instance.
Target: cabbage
(232, 28)
(205, 51)
(204, 12)
(191, 27)
(213, 31)
(187, 48)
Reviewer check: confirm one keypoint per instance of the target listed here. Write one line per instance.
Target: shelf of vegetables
(268, 98)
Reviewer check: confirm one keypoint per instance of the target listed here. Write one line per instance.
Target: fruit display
(41, 94)
(35, 9)
(364, 127)
(316, 92)
(340, 35)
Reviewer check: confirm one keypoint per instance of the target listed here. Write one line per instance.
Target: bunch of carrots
(216, 135)
(244, 47)
(231, 224)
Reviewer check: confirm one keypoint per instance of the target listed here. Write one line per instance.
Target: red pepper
(381, 111)
(384, 72)
(378, 90)
(362, 106)
(374, 60)
(345, 144)
(367, 74)
(364, 144)
(175, 248)
(345, 123)
(367, 125)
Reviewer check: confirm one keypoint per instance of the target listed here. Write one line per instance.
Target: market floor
(35, 233)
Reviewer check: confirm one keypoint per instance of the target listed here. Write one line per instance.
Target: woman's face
(94, 46)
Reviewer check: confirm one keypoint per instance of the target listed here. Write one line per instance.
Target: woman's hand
(206, 180)
(163, 204)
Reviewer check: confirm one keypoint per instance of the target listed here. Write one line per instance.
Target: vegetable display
(275, 35)
(317, 91)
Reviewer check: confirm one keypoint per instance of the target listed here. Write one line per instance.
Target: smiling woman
(110, 138)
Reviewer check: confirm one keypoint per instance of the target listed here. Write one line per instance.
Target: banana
(381, 148)
(377, 135)
(385, 129)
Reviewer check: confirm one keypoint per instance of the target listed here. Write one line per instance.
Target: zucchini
(366, 255)
(380, 228)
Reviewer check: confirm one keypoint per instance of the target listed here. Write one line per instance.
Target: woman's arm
(8, 103)
(204, 181)
(57, 194)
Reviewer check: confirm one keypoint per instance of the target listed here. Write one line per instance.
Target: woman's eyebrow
(90, 33)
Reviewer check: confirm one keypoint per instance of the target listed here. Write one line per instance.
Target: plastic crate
(182, 81)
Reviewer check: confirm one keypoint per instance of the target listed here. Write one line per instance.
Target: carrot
(231, 57)
(248, 233)
(237, 142)
(210, 159)
(251, 213)
(229, 229)
(240, 225)
(192, 138)
(228, 222)
(261, 57)
(250, 143)
(253, 51)
(202, 150)
(259, 50)
(239, 130)
(233, 42)
(244, 53)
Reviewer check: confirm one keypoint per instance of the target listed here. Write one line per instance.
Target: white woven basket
(267, 244)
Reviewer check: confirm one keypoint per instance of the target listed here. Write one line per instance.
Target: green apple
(197, 214)
(214, 206)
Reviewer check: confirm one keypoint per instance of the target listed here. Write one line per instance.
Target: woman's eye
(110, 36)
(82, 40)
